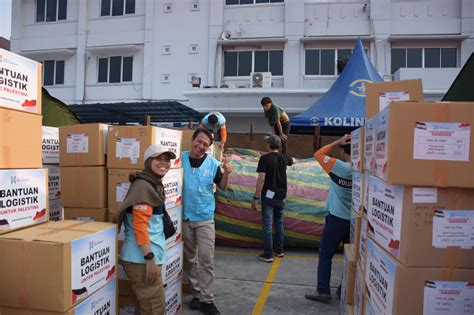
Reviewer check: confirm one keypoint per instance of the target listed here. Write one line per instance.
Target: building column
(380, 28)
(82, 58)
(294, 31)
(148, 76)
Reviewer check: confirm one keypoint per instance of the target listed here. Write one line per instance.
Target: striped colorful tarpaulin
(238, 225)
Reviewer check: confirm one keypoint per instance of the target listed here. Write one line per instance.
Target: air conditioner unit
(261, 79)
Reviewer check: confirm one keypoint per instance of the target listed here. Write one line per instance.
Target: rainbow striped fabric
(238, 225)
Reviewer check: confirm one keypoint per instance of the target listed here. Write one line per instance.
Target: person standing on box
(277, 119)
(200, 173)
(143, 251)
(337, 226)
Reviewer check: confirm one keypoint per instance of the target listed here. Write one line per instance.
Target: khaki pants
(199, 238)
(151, 297)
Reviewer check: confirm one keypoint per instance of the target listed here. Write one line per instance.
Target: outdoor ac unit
(261, 79)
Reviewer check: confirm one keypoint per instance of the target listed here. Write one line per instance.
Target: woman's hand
(151, 271)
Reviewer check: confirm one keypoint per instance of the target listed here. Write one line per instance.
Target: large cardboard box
(127, 145)
(362, 250)
(426, 144)
(20, 82)
(56, 212)
(50, 145)
(359, 290)
(119, 184)
(86, 214)
(357, 149)
(422, 226)
(83, 145)
(358, 192)
(396, 289)
(23, 198)
(366, 196)
(370, 130)
(354, 233)
(84, 187)
(380, 94)
(54, 181)
(103, 302)
(348, 275)
(20, 139)
(82, 256)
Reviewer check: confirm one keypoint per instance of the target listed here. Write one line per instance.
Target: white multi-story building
(107, 51)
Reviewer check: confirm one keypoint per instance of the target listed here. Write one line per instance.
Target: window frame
(423, 57)
(109, 69)
(45, 11)
(336, 55)
(252, 67)
(124, 8)
(55, 71)
(254, 2)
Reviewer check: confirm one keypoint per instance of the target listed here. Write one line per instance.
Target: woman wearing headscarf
(143, 251)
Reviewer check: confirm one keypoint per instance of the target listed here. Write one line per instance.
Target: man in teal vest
(200, 173)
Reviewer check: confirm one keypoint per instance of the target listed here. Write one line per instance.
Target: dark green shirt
(274, 114)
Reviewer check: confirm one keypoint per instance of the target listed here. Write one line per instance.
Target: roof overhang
(455, 37)
(252, 41)
(50, 53)
(313, 39)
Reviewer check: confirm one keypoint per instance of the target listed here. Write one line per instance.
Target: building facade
(106, 51)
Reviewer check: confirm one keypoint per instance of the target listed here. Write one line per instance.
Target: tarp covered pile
(238, 225)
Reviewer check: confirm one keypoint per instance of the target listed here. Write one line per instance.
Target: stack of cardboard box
(24, 184)
(126, 148)
(417, 255)
(50, 147)
(83, 172)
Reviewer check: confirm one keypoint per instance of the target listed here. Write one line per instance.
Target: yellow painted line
(260, 304)
(336, 257)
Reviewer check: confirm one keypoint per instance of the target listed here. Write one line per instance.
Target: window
(53, 72)
(324, 61)
(237, 2)
(117, 7)
(423, 58)
(115, 69)
(51, 10)
(242, 63)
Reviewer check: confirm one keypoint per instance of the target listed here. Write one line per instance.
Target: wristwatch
(149, 256)
(256, 198)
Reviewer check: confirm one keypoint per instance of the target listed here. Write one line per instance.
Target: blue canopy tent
(344, 104)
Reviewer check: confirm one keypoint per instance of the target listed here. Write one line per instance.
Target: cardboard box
(127, 145)
(20, 139)
(395, 289)
(86, 214)
(359, 290)
(187, 139)
(82, 256)
(348, 275)
(357, 149)
(366, 196)
(370, 130)
(20, 82)
(380, 94)
(418, 224)
(426, 144)
(56, 211)
(354, 235)
(50, 145)
(362, 251)
(84, 187)
(83, 145)
(119, 184)
(176, 215)
(358, 192)
(23, 198)
(54, 181)
(103, 301)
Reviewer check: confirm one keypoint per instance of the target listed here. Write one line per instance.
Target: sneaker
(266, 258)
(195, 304)
(319, 297)
(209, 309)
(279, 254)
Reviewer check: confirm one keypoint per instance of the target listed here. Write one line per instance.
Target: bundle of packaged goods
(415, 253)
(83, 172)
(24, 190)
(83, 254)
(126, 147)
(50, 157)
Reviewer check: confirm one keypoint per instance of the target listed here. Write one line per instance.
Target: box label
(102, 302)
(381, 144)
(121, 190)
(23, 198)
(77, 143)
(353, 237)
(387, 97)
(366, 193)
(176, 215)
(18, 82)
(359, 290)
(363, 242)
(50, 145)
(128, 148)
(448, 297)
(425, 195)
(453, 228)
(441, 141)
(357, 191)
(380, 279)
(54, 182)
(55, 210)
(173, 298)
(173, 185)
(92, 262)
(356, 149)
(369, 144)
(170, 140)
(173, 269)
